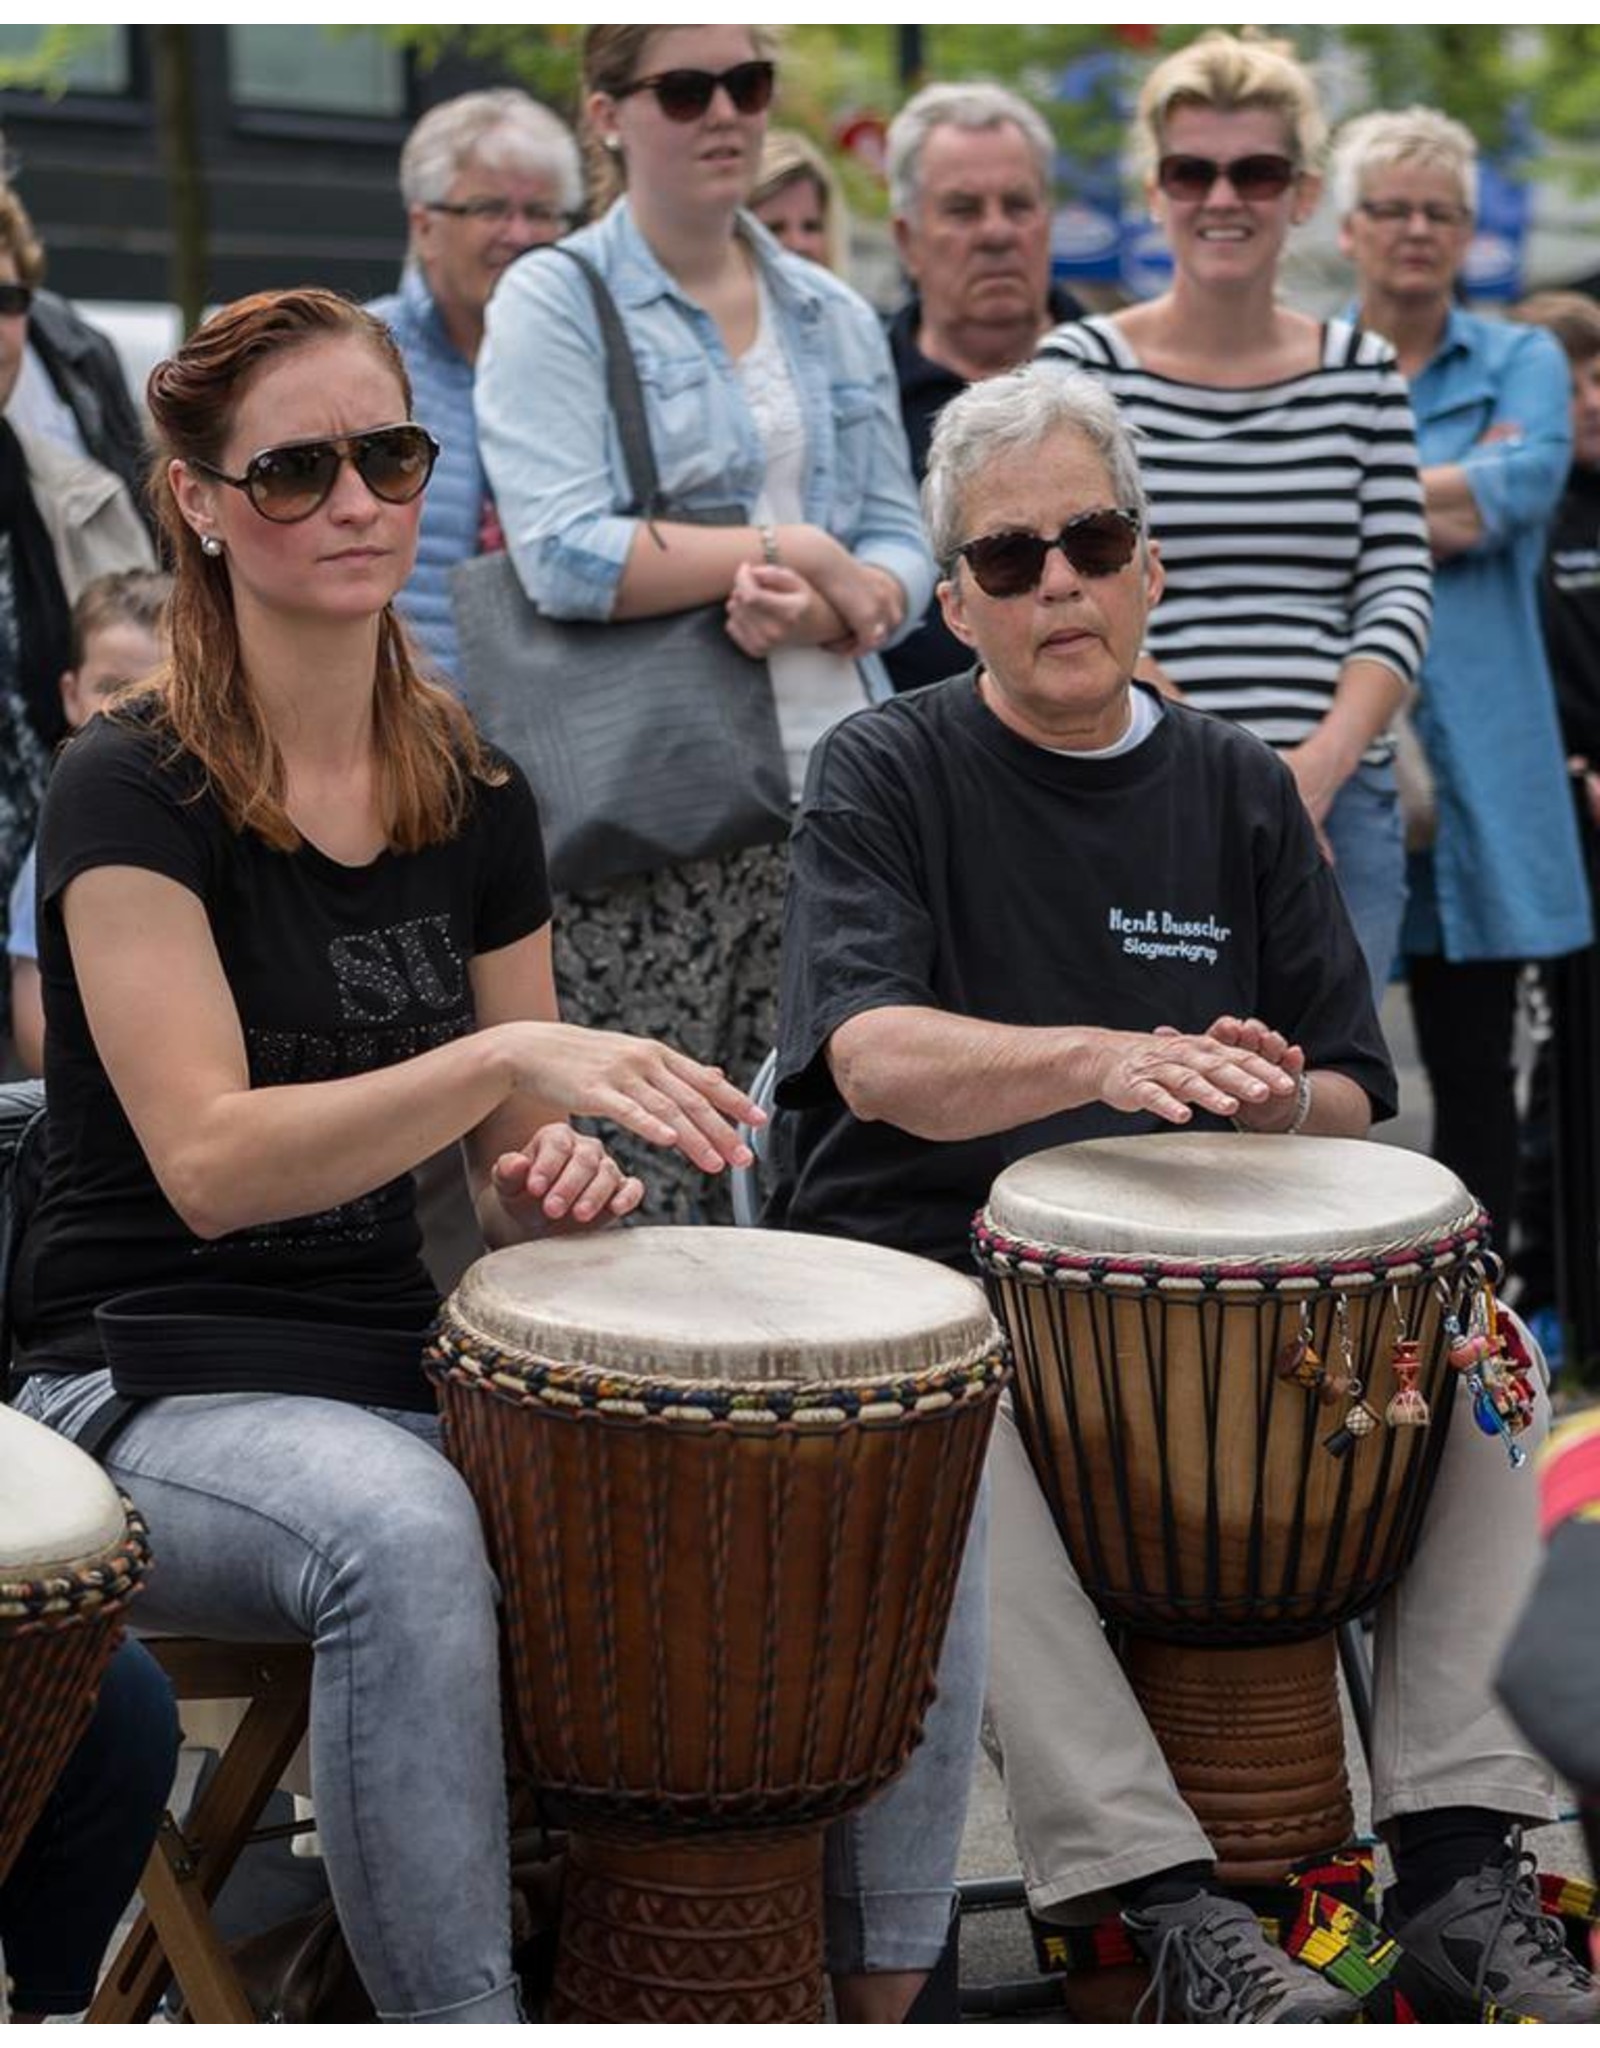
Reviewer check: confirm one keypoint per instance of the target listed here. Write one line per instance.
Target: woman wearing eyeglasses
(1279, 457)
(1502, 880)
(294, 938)
(63, 521)
(769, 391)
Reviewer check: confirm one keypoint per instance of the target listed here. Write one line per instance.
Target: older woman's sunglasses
(15, 299)
(1012, 564)
(288, 484)
(1252, 177)
(686, 95)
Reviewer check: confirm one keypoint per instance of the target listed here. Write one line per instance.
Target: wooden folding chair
(175, 1936)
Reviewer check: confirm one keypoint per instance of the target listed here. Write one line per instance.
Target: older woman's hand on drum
(563, 1178)
(1173, 1073)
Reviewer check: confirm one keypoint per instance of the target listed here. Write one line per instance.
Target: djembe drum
(1233, 1389)
(726, 1478)
(72, 1552)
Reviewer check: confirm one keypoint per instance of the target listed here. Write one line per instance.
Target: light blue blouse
(1504, 880)
(554, 458)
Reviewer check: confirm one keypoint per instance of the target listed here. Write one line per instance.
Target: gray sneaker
(1210, 1961)
(1489, 1942)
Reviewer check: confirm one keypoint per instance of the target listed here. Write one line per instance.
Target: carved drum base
(705, 1933)
(1255, 1740)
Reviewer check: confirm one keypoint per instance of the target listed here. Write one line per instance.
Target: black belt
(220, 1339)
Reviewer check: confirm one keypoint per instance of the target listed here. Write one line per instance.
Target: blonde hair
(613, 56)
(788, 158)
(18, 240)
(1411, 135)
(1228, 72)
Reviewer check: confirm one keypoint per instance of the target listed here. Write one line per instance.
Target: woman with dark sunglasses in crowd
(769, 394)
(1280, 459)
(294, 938)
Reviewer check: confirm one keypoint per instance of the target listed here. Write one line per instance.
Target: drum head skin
(1216, 1195)
(733, 1305)
(58, 1510)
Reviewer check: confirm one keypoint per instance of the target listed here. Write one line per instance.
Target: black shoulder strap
(622, 389)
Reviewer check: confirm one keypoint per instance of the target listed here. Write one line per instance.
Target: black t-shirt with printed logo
(941, 860)
(334, 970)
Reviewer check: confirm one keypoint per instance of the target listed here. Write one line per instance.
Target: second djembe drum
(72, 1552)
(726, 1478)
(1233, 1389)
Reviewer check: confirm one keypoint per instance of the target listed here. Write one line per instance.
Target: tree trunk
(172, 54)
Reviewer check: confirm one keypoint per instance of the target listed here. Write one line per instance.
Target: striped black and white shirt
(1290, 520)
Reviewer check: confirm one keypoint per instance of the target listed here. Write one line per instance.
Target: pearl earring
(210, 545)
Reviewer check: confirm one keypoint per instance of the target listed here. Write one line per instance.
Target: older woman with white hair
(485, 177)
(1502, 881)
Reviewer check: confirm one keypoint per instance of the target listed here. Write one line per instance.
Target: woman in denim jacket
(768, 388)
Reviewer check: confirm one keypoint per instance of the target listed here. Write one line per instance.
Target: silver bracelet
(768, 537)
(1296, 1123)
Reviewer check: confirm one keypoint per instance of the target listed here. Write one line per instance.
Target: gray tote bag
(646, 741)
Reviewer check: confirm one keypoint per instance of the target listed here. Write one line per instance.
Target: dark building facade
(298, 133)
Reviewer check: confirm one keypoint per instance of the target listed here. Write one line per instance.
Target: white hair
(976, 106)
(499, 129)
(1002, 420)
(1413, 135)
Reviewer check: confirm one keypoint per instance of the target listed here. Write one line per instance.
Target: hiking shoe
(1489, 1942)
(1210, 1961)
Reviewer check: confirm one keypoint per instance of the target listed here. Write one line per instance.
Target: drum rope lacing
(61, 1596)
(752, 1404)
(1350, 1270)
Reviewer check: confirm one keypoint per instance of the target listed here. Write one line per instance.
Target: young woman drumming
(294, 938)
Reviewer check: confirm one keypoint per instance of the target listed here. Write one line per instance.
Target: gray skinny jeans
(281, 1518)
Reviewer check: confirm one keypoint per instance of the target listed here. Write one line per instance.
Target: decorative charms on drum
(1300, 1361)
(1489, 1351)
(1361, 1418)
(1408, 1407)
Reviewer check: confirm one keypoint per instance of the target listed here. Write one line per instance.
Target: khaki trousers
(1092, 1801)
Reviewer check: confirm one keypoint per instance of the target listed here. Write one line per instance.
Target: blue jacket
(1505, 879)
(552, 451)
(441, 381)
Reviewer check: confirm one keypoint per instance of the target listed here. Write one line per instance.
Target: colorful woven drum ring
(72, 1553)
(726, 1478)
(1197, 1319)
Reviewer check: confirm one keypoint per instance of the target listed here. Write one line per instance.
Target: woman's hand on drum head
(1172, 1073)
(563, 1178)
(661, 1095)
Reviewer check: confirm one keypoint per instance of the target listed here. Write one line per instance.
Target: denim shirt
(552, 451)
(1505, 878)
(452, 508)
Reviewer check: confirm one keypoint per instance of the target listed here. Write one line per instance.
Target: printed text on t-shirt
(1158, 935)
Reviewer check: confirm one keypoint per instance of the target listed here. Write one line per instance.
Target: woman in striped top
(1281, 464)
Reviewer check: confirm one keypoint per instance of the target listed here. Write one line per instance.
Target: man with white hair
(485, 177)
(969, 188)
